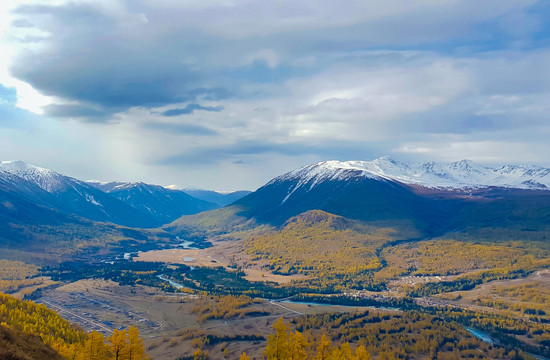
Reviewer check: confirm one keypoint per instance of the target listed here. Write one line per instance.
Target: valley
(337, 251)
(164, 318)
(274, 180)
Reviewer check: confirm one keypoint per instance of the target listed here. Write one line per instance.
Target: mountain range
(463, 174)
(67, 195)
(161, 204)
(431, 197)
(434, 198)
(219, 198)
(134, 204)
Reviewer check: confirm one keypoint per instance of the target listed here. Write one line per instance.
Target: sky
(227, 94)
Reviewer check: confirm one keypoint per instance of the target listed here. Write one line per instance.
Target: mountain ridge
(217, 197)
(134, 204)
(459, 175)
(73, 196)
(164, 204)
(384, 192)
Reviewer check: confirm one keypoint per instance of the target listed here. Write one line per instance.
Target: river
(173, 283)
(186, 244)
(483, 336)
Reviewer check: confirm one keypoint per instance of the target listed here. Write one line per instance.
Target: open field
(41, 282)
(164, 318)
(223, 253)
(521, 297)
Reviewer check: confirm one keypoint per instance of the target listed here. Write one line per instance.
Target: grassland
(167, 319)
(226, 254)
(324, 254)
(16, 274)
(527, 297)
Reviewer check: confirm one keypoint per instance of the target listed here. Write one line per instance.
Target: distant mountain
(463, 174)
(24, 202)
(433, 198)
(162, 204)
(32, 229)
(346, 192)
(69, 195)
(220, 198)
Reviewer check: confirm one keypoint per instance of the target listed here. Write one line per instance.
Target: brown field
(542, 276)
(223, 253)
(162, 318)
(490, 291)
(43, 282)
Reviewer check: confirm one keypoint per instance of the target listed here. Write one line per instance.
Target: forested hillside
(32, 331)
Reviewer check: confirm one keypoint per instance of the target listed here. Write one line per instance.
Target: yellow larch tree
(298, 346)
(278, 346)
(361, 353)
(94, 348)
(136, 350)
(324, 348)
(244, 357)
(119, 346)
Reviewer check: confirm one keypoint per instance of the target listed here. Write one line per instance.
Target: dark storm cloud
(190, 109)
(90, 57)
(123, 54)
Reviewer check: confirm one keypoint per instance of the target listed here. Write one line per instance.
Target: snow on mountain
(165, 205)
(462, 174)
(47, 179)
(70, 195)
(107, 186)
(116, 186)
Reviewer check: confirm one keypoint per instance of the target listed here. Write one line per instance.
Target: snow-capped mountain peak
(47, 179)
(464, 174)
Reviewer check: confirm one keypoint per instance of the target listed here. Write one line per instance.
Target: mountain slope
(354, 197)
(33, 231)
(37, 225)
(164, 205)
(70, 195)
(433, 198)
(463, 174)
(16, 345)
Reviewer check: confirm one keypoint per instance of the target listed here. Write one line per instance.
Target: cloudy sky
(226, 94)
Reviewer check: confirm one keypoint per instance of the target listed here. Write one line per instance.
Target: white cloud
(452, 148)
(27, 97)
(347, 80)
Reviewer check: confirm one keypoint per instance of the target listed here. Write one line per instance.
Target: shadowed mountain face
(49, 189)
(30, 226)
(357, 198)
(26, 203)
(129, 204)
(367, 193)
(164, 205)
